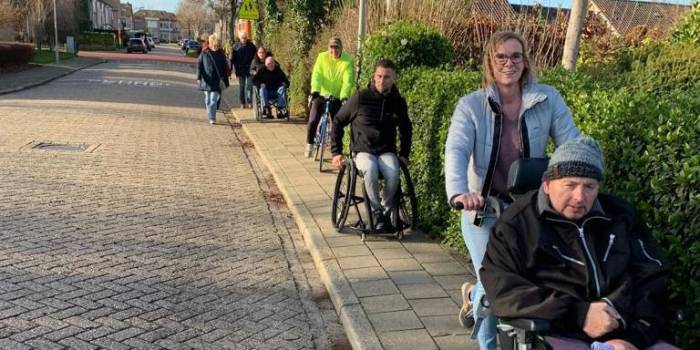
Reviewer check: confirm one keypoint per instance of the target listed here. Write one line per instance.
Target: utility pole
(360, 37)
(55, 31)
(573, 33)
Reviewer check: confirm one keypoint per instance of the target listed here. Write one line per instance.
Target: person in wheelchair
(581, 259)
(272, 84)
(374, 114)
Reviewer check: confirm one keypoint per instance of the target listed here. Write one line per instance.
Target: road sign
(249, 10)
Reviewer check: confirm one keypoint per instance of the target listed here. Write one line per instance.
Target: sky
(171, 5)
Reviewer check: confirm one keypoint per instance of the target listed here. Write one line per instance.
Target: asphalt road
(129, 222)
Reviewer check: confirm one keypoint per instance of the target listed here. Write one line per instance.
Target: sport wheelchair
(271, 104)
(403, 217)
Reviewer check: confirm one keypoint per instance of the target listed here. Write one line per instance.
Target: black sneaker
(380, 224)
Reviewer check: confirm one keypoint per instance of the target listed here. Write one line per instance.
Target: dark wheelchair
(522, 333)
(404, 216)
(272, 104)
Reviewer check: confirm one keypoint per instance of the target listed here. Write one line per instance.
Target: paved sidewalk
(388, 294)
(26, 79)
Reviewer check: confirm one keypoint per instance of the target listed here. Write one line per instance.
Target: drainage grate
(63, 147)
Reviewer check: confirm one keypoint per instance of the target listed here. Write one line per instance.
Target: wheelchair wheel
(408, 204)
(342, 195)
(256, 106)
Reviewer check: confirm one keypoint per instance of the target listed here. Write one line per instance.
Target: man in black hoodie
(582, 260)
(374, 114)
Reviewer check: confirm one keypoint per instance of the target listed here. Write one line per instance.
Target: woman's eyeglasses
(502, 58)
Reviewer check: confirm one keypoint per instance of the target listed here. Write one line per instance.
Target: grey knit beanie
(580, 157)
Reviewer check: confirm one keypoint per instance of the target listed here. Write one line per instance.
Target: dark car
(194, 45)
(136, 44)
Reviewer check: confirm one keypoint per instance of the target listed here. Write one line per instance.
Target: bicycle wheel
(342, 195)
(320, 134)
(325, 144)
(408, 203)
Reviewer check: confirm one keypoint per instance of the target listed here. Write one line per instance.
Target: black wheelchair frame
(404, 215)
(272, 103)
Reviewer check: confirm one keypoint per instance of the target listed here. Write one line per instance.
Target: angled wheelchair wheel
(408, 204)
(256, 106)
(342, 195)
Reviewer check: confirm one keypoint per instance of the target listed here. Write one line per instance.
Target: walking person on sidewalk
(211, 76)
(243, 53)
(331, 77)
(374, 114)
(510, 117)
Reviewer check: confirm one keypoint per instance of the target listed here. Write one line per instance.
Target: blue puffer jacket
(473, 134)
(208, 74)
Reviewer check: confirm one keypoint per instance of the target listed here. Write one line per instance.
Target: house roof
(161, 15)
(625, 15)
(492, 8)
(549, 14)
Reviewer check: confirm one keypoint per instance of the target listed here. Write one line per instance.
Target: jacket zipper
(610, 244)
(641, 244)
(585, 247)
(568, 257)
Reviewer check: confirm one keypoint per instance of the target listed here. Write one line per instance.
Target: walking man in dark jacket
(242, 56)
(374, 114)
(580, 259)
(273, 84)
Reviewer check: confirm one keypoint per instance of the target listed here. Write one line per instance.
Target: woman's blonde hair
(497, 39)
(214, 41)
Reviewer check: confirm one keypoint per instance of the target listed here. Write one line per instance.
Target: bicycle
(322, 140)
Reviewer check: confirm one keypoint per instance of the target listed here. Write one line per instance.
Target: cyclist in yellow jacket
(331, 80)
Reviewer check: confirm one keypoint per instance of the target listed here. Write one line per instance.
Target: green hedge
(15, 54)
(97, 41)
(408, 44)
(432, 95)
(649, 130)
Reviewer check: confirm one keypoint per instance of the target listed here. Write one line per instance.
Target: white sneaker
(466, 313)
(307, 151)
(211, 121)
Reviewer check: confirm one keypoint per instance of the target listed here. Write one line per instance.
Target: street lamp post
(55, 31)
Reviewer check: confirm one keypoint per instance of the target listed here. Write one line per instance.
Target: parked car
(136, 44)
(194, 45)
(151, 43)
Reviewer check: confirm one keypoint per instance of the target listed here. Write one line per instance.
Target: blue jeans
(245, 89)
(267, 94)
(476, 238)
(211, 99)
(370, 165)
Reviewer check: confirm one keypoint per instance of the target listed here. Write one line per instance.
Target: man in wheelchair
(582, 260)
(374, 114)
(272, 84)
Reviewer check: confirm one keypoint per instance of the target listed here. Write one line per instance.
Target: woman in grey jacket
(511, 117)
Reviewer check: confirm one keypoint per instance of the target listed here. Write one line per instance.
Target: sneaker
(308, 149)
(211, 121)
(466, 313)
(379, 222)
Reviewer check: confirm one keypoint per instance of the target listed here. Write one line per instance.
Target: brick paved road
(148, 229)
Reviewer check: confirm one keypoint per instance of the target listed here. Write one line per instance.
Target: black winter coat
(541, 265)
(373, 119)
(241, 57)
(207, 73)
(272, 79)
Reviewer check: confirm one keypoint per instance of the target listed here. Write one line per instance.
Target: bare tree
(8, 13)
(222, 11)
(192, 15)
